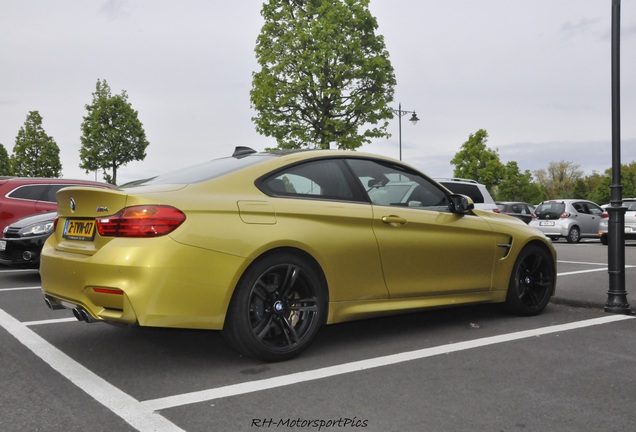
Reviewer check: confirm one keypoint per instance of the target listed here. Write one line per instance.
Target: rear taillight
(565, 215)
(496, 210)
(604, 215)
(55, 223)
(141, 221)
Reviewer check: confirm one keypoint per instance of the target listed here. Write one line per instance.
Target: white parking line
(280, 381)
(581, 271)
(21, 288)
(125, 406)
(17, 270)
(49, 321)
(588, 270)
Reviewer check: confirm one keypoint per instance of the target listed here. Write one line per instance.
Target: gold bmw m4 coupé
(267, 247)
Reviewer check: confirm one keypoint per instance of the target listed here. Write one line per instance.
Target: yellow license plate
(79, 229)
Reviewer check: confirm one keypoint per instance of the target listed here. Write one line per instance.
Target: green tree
(35, 154)
(5, 162)
(112, 134)
(559, 179)
(478, 162)
(325, 73)
(517, 186)
(601, 192)
(586, 186)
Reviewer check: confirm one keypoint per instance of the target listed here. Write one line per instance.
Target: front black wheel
(277, 308)
(532, 281)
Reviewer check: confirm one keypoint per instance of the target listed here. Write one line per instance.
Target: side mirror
(461, 204)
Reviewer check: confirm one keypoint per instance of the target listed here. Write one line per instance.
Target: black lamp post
(413, 120)
(616, 295)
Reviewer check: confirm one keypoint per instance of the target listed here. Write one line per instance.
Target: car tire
(531, 282)
(278, 307)
(574, 235)
(604, 239)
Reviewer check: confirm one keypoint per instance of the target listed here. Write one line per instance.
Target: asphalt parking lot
(572, 368)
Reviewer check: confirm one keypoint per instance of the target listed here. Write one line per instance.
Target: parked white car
(476, 191)
(630, 222)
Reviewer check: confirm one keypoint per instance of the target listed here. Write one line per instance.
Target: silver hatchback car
(569, 218)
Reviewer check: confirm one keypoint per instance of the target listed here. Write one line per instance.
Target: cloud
(584, 26)
(114, 9)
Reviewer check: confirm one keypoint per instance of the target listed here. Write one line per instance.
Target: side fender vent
(506, 247)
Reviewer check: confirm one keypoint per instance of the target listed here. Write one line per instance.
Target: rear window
(550, 210)
(204, 171)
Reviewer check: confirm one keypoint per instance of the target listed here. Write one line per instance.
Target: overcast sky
(536, 74)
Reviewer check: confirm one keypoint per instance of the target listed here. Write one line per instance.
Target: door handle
(394, 220)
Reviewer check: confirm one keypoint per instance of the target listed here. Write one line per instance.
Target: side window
(28, 192)
(593, 209)
(322, 179)
(392, 185)
(52, 190)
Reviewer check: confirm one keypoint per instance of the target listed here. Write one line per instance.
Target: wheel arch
(550, 251)
(287, 249)
(528, 293)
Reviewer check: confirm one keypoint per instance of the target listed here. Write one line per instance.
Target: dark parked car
(22, 241)
(520, 210)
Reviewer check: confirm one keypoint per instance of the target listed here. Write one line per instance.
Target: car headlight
(37, 229)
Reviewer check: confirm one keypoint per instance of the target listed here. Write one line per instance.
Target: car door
(424, 248)
(319, 206)
(584, 219)
(594, 214)
(523, 212)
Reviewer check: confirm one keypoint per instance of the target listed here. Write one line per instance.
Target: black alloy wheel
(532, 281)
(277, 308)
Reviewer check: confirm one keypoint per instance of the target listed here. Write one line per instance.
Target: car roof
(568, 200)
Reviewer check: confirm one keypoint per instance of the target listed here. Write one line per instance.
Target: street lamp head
(414, 118)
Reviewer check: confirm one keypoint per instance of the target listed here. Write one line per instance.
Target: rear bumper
(152, 282)
(551, 231)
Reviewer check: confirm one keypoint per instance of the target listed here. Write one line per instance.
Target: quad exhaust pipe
(53, 305)
(79, 312)
(82, 315)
